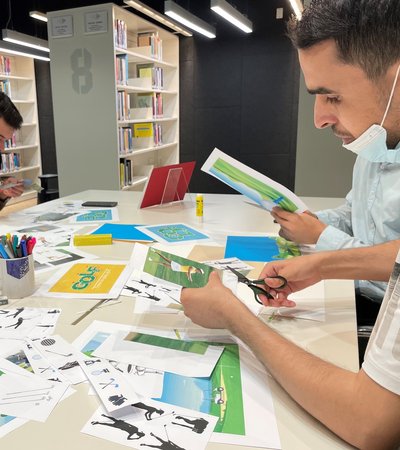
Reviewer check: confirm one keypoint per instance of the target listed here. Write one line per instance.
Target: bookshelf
(116, 103)
(21, 155)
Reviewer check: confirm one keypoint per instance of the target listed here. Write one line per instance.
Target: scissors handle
(277, 277)
(259, 291)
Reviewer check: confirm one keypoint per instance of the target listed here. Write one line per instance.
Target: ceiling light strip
(38, 15)
(229, 13)
(146, 10)
(25, 40)
(191, 21)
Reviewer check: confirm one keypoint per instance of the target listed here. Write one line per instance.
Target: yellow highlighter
(92, 239)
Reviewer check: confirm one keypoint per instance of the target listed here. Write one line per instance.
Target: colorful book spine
(5, 65)
(10, 162)
(120, 34)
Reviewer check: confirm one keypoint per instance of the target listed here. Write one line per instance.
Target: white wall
(323, 167)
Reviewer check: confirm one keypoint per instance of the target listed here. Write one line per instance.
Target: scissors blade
(241, 277)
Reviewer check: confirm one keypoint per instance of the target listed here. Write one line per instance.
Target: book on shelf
(149, 70)
(121, 174)
(123, 105)
(121, 69)
(150, 39)
(11, 143)
(144, 38)
(10, 162)
(5, 65)
(5, 86)
(149, 100)
(120, 33)
(125, 140)
(125, 171)
(141, 130)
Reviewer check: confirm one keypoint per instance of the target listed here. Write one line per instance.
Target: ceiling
(18, 18)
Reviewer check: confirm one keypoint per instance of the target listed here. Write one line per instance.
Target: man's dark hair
(9, 112)
(366, 32)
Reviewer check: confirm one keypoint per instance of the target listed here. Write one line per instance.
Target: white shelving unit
(86, 86)
(22, 86)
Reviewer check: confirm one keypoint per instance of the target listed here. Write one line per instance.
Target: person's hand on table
(303, 228)
(299, 272)
(14, 191)
(212, 306)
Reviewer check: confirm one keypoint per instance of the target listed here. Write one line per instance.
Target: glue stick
(199, 207)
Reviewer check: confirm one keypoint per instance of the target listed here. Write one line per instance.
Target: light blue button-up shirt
(371, 215)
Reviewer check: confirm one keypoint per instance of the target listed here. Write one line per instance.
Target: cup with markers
(17, 271)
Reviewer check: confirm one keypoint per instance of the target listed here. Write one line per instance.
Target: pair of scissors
(254, 285)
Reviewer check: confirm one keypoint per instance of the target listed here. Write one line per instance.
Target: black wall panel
(45, 116)
(240, 93)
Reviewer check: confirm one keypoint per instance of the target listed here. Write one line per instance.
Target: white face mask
(372, 143)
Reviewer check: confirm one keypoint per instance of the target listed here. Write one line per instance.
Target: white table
(334, 340)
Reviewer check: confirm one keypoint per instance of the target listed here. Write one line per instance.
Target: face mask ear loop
(391, 94)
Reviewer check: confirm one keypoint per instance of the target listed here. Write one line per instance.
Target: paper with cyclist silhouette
(150, 424)
(159, 276)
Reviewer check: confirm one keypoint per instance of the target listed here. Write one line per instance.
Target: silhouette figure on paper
(117, 400)
(197, 425)
(18, 323)
(150, 410)
(68, 365)
(151, 297)
(17, 313)
(132, 289)
(165, 445)
(148, 285)
(176, 267)
(142, 293)
(132, 430)
(140, 370)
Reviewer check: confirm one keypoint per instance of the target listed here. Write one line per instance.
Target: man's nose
(323, 113)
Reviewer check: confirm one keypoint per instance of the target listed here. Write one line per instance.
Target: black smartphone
(100, 204)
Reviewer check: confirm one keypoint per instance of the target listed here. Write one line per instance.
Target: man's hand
(304, 228)
(212, 306)
(14, 191)
(300, 272)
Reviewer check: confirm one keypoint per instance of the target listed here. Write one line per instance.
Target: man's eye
(332, 99)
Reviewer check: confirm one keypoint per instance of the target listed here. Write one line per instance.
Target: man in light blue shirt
(371, 214)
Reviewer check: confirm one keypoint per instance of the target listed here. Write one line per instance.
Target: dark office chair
(363, 335)
(49, 183)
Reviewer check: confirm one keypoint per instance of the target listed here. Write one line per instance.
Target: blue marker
(3, 253)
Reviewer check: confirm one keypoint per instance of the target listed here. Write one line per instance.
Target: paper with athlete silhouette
(26, 395)
(114, 391)
(159, 276)
(237, 393)
(23, 322)
(168, 428)
(187, 358)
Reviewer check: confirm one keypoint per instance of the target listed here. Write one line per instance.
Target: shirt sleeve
(339, 217)
(339, 232)
(382, 358)
(334, 239)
